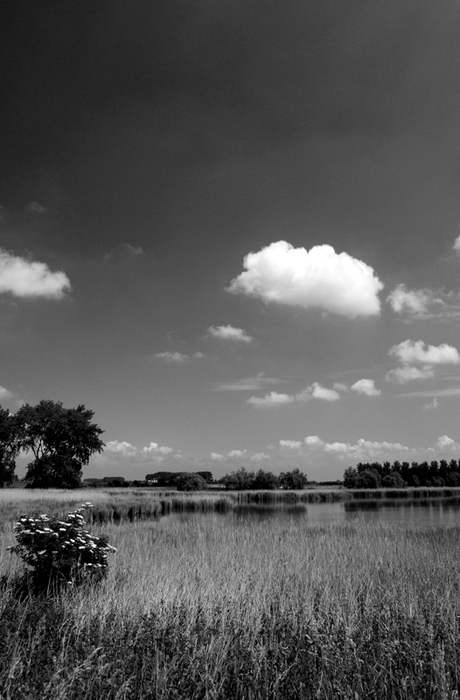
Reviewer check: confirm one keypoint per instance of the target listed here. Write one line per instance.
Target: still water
(419, 513)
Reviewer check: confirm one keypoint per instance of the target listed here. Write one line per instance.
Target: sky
(232, 229)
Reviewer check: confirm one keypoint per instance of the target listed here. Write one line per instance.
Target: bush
(190, 482)
(60, 552)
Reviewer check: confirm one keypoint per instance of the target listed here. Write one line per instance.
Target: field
(211, 610)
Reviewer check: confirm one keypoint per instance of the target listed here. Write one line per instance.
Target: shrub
(60, 551)
(190, 482)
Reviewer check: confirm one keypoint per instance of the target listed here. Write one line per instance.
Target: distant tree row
(261, 480)
(400, 475)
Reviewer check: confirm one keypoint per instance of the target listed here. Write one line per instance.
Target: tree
(11, 441)
(241, 480)
(265, 481)
(62, 441)
(294, 479)
(190, 482)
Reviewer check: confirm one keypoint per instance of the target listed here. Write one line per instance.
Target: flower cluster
(61, 550)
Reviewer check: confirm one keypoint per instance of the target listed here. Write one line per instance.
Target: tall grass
(213, 610)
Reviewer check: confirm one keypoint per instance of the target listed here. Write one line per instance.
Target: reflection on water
(419, 512)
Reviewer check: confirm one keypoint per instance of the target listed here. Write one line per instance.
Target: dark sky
(148, 147)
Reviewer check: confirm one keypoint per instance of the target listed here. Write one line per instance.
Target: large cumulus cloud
(320, 277)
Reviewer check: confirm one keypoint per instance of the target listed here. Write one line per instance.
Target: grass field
(209, 609)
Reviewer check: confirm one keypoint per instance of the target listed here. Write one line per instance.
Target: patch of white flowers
(61, 549)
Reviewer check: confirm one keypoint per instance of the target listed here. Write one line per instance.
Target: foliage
(60, 551)
(400, 475)
(62, 441)
(265, 481)
(11, 441)
(293, 480)
(190, 482)
(240, 480)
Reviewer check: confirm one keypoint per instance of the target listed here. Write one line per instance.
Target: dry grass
(209, 609)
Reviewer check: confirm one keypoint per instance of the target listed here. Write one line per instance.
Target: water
(405, 512)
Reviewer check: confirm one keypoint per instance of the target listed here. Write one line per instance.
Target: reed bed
(239, 610)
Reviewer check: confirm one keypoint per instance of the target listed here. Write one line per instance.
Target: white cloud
(456, 245)
(366, 386)
(432, 405)
(291, 444)
(415, 302)
(318, 278)
(313, 441)
(36, 207)
(123, 447)
(236, 454)
(339, 386)
(229, 333)
(198, 355)
(259, 457)
(232, 455)
(154, 448)
(249, 384)
(134, 250)
(363, 448)
(406, 373)
(271, 400)
(5, 393)
(24, 278)
(316, 391)
(446, 443)
(416, 351)
(172, 356)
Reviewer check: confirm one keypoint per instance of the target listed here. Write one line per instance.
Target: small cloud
(409, 351)
(406, 373)
(313, 441)
(232, 455)
(432, 405)
(125, 448)
(5, 393)
(366, 386)
(259, 457)
(271, 400)
(133, 249)
(249, 384)
(318, 278)
(176, 357)
(445, 443)
(198, 355)
(316, 391)
(339, 386)
(24, 278)
(291, 444)
(415, 302)
(456, 245)
(36, 207)
(157, 449)
(229, 333)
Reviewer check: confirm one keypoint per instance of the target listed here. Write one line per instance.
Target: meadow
(208, 609)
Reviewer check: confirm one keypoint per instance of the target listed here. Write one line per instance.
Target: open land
(209, 609)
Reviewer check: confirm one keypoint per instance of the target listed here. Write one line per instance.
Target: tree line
(402, 474)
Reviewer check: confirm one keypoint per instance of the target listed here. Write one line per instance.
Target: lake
(414, 512)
